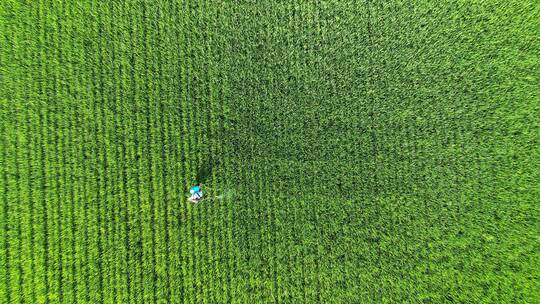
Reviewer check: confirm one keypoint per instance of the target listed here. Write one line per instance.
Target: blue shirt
(195, 189)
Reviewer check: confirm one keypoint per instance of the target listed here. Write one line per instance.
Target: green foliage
(356, 151)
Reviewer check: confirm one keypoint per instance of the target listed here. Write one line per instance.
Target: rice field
(351, 151)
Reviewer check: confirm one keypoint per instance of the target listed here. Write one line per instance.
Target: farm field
(362, 151)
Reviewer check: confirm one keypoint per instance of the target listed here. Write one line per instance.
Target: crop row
(104, 132)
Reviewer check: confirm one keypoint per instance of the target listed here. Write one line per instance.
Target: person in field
(196, 193)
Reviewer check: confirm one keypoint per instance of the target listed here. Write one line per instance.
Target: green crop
(351, 151)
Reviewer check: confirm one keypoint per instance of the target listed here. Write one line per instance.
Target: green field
(364, 151)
